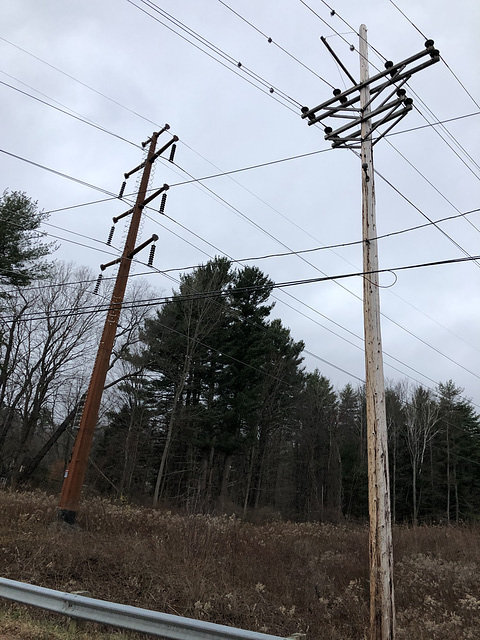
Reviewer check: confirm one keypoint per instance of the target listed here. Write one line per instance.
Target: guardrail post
(74, 622)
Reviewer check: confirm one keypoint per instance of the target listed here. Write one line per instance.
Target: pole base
(67, 516)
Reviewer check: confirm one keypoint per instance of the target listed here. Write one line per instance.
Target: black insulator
(269, 40)
(122, 189)
(343, 99)
(151, 255)
(429, 43)
(408, 101)
(434, 52)
(172, 153)
(337, 92)
(332, 12)
(97, 284)
(352, 47)
(401, 93)
(110, 235)
(162, 203)
(388, 64)
(239, 64)
(328, 131)
(272, 89)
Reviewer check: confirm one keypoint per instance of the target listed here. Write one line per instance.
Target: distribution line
(87, 86)
(204, 41)
(442, 231)
(442, 58)
(454, 242)
(71, 115)
(243, 215)
(411, 333)
(283, 285)
(271, 41)
(424, 177)
(236, 260)
(266, 88)
(333, 12)
(59, 173)
(346, 289)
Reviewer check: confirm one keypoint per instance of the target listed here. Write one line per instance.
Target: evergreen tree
(21, 250)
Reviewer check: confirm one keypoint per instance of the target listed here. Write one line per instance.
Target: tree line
(209, 407)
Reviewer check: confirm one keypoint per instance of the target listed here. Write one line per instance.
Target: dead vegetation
(275, 577)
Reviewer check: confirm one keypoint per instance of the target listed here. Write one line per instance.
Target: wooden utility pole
(75, 475)
(382, 604)
(367, 114)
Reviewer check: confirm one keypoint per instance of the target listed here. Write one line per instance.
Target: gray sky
(225, 121)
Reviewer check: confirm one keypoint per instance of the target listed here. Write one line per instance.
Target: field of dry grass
(276, 577)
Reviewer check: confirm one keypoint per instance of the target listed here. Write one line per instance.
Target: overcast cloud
(224, 122)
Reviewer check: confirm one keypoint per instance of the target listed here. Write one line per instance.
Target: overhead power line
(277, 285)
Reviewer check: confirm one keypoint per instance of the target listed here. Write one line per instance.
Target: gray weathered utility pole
(382, 610)
(356, 105)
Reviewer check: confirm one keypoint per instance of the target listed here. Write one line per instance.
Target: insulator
(172, 153)
(122, 189)
(97, 284)
(271, 89)
(332, 12)
(162, 203)
(110, 235)
(429, 43)
(401, 93)
(388, 64)
(304, 109)
(239, 64)
(269, 40)
(408, 102)
(337, 92)
(151, 255)
(343, 99)
(328, 130)
(352, 47)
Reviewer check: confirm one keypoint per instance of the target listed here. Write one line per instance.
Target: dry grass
(278, 578)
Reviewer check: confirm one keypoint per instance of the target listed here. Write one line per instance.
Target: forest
(208, 407)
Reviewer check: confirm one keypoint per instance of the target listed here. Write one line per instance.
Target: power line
(442, 58)
(278, 285)
(71, 115)
(58, 173)
(265, 86)
(271, 41)
(87, 86)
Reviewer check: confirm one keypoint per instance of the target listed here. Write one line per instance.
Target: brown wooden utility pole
(75, 475)
(367, 114)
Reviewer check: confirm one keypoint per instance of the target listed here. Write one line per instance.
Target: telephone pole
(75, 475)
(356, 105)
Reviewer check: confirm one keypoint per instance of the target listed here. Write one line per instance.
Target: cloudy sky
(130, 66)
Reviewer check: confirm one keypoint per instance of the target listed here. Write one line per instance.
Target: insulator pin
(172, 153)
(151, 255)
(163, 203)
(97, 284)
(110, 235)
(122, 189)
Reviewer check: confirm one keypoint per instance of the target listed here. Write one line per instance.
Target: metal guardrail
(124, 616)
